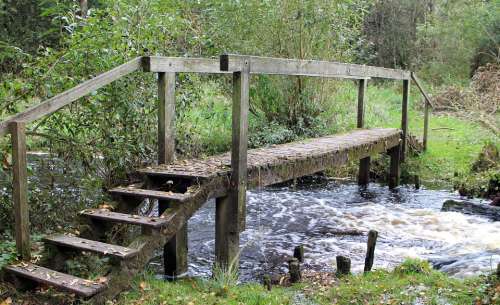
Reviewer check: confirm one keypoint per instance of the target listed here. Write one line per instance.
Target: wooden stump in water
(417, 182)
(343, 265)
(267, 281)
(294, 269)
(370, 250)
(298, 253)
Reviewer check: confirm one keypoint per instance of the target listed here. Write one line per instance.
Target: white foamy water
(409, 222)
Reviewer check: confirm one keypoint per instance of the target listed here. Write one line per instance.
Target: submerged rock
(467, 207)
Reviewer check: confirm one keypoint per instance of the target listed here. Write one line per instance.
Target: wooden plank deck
(284, 162)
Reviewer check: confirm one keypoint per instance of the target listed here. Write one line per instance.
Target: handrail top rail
(226, 64)
(67, 97)
(421, 89)
(182, 65)
(302, 67)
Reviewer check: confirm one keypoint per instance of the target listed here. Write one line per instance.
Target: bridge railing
(428, 105)
(239, 66)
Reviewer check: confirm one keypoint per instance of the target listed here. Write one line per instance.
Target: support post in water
(404, 117)
(343, 265)
(231, 210)
(364, 164)
(370, 250)
(175, 251)
(267, 282)
(294, 270)
(20, 189)
(394, 167)
(298, 253)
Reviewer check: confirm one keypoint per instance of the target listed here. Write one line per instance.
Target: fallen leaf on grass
(143, 286)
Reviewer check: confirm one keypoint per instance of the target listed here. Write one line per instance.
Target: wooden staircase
(126, 261)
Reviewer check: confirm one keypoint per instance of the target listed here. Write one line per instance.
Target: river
(409, 222)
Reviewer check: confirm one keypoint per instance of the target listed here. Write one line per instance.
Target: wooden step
(62, 281)
(138, 192)
(106, 215)
(91, 246)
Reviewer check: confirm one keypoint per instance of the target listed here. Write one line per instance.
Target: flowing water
(329, 219)
(332, 219)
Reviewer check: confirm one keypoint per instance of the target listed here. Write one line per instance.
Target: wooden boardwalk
(181, 187)
(278, 163)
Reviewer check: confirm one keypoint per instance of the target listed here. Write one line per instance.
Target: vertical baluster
(20, 189)
(404, 117)
(231, 210)
(426, 124)
(364, 164)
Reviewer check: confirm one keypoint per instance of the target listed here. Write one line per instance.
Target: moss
(482, 179)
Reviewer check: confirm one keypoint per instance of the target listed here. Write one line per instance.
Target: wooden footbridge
(181, 187)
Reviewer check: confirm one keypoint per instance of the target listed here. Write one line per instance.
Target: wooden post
(370, 249)
(404, 117)
(364, 164)
(343, 265)
(175, 251)
(267, 282)
(20, 189)
(294, 270)
(298, 253)
(227, 238)
(361, 102)
(231, 210)
(426, 124)
(394, 170)
(166, 117)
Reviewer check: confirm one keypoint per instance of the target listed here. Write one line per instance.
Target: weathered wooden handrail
(67, 97)
(427, 105)
(419, 86)
(182, 65)
(282, 66)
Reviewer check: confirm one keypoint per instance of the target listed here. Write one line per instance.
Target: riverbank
(413, 282)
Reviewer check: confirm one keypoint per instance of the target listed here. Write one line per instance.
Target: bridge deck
(280, 163)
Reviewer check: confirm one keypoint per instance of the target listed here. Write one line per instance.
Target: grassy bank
(414, 282)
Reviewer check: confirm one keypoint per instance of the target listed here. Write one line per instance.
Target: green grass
(411, 283)
(150, 291)
(413, 280)
(454, 142)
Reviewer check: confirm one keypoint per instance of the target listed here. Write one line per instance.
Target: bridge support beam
(404, 117)
(227, 237)
(364, 164)
(175, 250)
(394, 168)
(231, 210)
